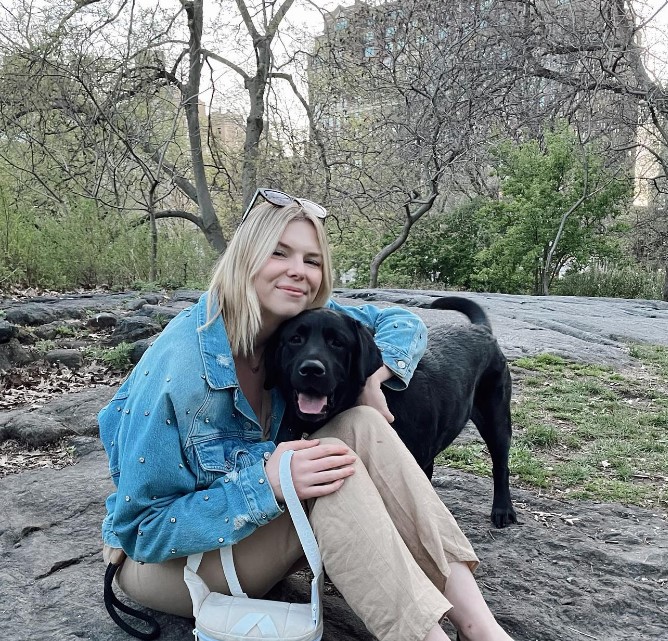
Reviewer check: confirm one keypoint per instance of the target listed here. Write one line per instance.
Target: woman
(190, 440)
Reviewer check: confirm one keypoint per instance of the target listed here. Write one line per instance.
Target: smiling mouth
(312, 406)
(293, 291)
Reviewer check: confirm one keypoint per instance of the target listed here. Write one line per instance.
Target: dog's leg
(491, 415)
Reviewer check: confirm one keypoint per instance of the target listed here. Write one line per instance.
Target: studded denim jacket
(185, 448)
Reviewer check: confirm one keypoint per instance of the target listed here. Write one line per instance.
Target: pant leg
(386, 538)
(262, 559)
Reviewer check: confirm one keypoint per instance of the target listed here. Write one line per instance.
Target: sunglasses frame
(310, 206)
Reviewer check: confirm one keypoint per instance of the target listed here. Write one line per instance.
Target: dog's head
(320, 360)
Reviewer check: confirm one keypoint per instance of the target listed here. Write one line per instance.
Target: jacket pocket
(215, 458)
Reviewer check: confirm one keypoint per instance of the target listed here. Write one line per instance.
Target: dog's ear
(368, 358)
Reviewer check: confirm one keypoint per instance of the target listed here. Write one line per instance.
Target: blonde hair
(232, 288)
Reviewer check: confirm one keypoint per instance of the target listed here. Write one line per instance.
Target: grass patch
(586, 431)
(44, 346)
(117, 358)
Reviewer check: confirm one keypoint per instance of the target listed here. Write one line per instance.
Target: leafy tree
(558, 205)
(441, 250)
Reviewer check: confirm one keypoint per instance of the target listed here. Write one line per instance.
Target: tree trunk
(411, 219)
(212, 229)
(255, 122)
(387, 251)
(153, 267)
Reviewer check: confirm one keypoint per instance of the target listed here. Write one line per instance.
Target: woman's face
(290, 279)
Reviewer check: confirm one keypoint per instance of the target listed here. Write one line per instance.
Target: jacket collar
(215, 348)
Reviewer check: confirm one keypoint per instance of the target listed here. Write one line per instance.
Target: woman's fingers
(315, 491)
(302, 444)
(317, 469)
(321, 470)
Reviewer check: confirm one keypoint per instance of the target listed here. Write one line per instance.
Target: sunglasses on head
(281, 199)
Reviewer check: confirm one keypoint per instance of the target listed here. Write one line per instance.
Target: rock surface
(596, 330)
(569, 570)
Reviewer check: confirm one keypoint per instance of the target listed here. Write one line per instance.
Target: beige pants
(385, 537)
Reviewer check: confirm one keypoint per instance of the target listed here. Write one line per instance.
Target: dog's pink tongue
(311, 404)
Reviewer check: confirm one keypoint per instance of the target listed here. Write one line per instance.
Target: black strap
(111, 602)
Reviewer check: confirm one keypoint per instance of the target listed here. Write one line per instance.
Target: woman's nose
(296, 267)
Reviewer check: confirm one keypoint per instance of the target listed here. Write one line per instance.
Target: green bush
(615, 282)
(82, 246)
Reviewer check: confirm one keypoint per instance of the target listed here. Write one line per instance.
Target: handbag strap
(298, 515)
(230, 572)
(299, 519)
(199, 590)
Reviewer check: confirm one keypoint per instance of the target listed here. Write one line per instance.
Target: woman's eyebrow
(308, 253)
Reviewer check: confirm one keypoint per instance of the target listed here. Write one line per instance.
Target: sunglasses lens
(314, 208)
(278, 198)
(281, 199)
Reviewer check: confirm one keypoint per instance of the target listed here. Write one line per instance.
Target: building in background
(225, 127)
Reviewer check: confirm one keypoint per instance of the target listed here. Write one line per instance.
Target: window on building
(341, 23)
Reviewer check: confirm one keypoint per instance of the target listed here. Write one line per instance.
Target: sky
(657, 41)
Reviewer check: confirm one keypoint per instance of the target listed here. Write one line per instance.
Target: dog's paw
(503, 516)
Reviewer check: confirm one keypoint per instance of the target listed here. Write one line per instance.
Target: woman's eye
(278, 252)
(313, 261)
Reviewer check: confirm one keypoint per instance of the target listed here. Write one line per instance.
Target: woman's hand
(372, 394)
(317, 469)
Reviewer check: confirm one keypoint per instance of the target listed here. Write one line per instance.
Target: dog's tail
(472, 310)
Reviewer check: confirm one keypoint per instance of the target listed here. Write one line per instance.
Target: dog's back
(463, 375)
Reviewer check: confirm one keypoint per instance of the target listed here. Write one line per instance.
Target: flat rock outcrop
(569, 570)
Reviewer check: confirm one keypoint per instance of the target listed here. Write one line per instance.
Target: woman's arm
(159, 510)
(400, 334)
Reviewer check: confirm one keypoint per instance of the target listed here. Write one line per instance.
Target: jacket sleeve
(400, 335)
(160, 511)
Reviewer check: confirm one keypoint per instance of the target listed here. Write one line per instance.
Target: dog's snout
(312, 368)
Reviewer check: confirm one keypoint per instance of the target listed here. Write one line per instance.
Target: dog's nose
(312, 368)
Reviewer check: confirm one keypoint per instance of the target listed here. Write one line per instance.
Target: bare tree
(109, 79)
(409, 97)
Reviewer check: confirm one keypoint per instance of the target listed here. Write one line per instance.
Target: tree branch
(172, 213)
(228, 63)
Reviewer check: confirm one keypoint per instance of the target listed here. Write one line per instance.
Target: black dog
(321, 359)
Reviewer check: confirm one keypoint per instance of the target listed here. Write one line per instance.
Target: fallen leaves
(546, 518)
(36, 384)
(14, 458)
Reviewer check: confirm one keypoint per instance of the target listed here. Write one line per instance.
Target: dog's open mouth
(312, 406)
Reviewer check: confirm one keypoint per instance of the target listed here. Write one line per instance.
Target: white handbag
(219, 617)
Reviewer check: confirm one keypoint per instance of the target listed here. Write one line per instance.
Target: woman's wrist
(382, 374)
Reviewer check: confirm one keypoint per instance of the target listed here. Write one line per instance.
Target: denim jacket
(185, 448)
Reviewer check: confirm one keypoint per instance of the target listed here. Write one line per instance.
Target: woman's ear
(368, 359)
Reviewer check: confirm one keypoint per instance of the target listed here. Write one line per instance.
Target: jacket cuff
(259, 495)
(399, 363)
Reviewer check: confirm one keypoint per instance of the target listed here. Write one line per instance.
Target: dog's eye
(295, 339)
(336, 342)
